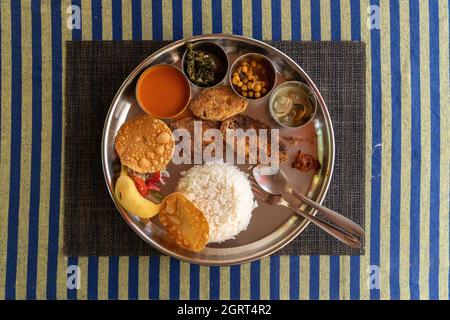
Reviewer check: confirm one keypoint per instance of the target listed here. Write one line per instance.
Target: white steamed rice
(224, 195)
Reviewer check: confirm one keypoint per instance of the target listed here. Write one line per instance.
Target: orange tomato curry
(163, 91)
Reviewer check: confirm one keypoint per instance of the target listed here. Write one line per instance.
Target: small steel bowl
(271, 73)
(218, 54)
(188, 98)
(309, 92)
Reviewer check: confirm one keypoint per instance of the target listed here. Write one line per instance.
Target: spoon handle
(331, 215)
(344, 237)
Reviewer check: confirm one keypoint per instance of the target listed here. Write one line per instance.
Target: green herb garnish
(200, 67)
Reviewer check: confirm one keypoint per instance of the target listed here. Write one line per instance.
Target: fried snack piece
(145, 144)
(217, 104)
(184, 222)
(188, 124)
(244, 122)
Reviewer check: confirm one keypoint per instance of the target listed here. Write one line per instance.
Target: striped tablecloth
(407, 135)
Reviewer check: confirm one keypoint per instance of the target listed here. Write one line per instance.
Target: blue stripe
(255, 268)
(276, 20)
(16, 124)
(435, 164)
(92, 289)
(216, 8)
(136, 11)
(76, 33)
(174, 292)
(355, 272)
(157, 20)
(416, 151)
(235, 282)
(314, 267)
(133, 278)
(294, 277)
(355, 13)
(116, 9)
(153, 277)
(214, 283)
(296, 30)
(194, 281)
(33, 222)
(236, 9)
(55, 178)
(334, 277)
(113, 278)
(355, 260)
(376, 151)
(315, 20)
(96, 8)
(396, 106)
(197, 17)
(72, 293)
(177, 19)
(274, 277)
(257, 19)
(335, 8)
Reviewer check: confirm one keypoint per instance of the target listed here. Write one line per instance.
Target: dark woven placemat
(95, 71)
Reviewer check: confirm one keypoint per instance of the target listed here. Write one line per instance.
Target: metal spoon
(277, 184)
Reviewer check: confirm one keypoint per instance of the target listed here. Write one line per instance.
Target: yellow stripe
(305, 11)
(386, 130)
(346, 19)
(187, 19)
(61, 275)
(86, 21)
(245, 281)
(266, 20)
(46, 43)
(324, 278)
(344, 278)
(5, 138)
(284, 277)
(83, 265)
(143, 277)
(206, 17)
(147, 26)
(264, 291)
(445, 150)
(365, 260)
(184, 280)
(425, 153)
(204, 283)
(325, 20)
(103, 272)
(286, 22)
(304, 278)
(167, 20)
(127, 21)
(123, 278)
(225, 283)
(107, 33)
(226, 17)
(25, 155)
(406, 150)
(247, 18)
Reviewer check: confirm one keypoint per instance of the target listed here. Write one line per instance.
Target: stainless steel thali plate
(271, 228)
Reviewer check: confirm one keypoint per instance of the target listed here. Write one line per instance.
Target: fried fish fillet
(188, 124)
(245, 122)
(217, 104)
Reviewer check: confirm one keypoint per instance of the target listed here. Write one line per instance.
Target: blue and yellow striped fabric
(408, 155)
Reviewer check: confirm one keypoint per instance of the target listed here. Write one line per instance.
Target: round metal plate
(270, 228)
